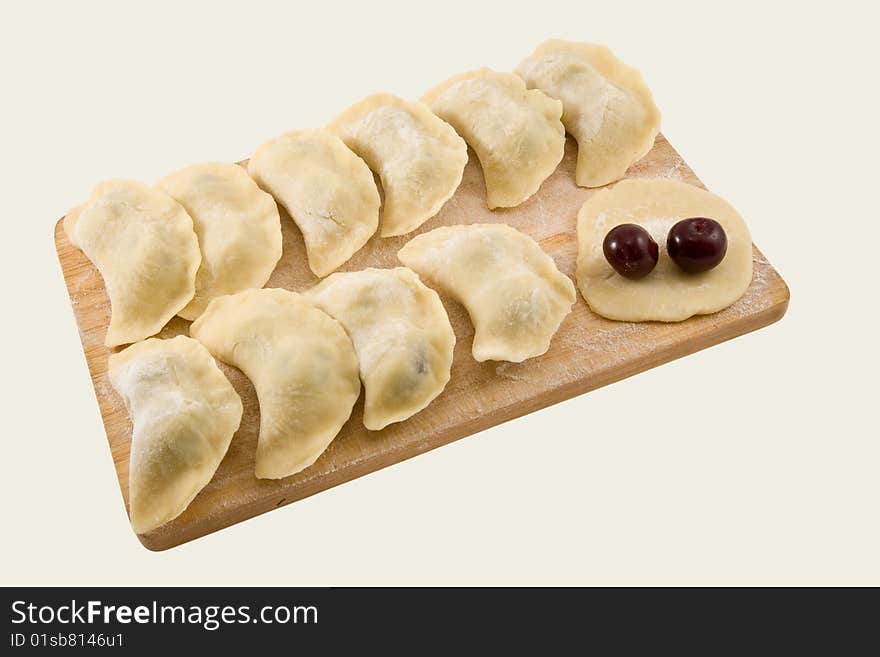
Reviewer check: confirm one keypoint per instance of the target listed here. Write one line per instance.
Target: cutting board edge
(299, 492)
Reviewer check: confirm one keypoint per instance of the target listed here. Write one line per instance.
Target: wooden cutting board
(586, 353)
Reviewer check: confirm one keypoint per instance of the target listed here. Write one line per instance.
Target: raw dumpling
(143, 243)
(302, 364)
(237, 224)
(512, 290)
(607, 107)
(401, 334)
(419, 158)
(515, 132)
(184, 412)
(327, 190)
(667, 294)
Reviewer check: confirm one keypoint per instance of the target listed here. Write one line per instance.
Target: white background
(755, 462)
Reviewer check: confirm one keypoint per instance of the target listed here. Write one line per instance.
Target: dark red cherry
(697, 244)
(630, 250)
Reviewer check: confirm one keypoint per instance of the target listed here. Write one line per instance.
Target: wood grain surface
(586, 353)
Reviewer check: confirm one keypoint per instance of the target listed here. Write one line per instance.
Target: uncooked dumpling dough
(515, 132)
(302, 364)
(667, 294)
(419, 158)
(512, 290)
(143, 243)
(237, 224)
(184, 412)
(401, 334)
(607, 107)
(328, 191)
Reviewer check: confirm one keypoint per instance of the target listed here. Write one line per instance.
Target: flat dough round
(667, 294)
(143, 243)
(238, 226)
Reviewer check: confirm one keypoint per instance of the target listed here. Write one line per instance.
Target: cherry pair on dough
(696, 245)
(669, 294)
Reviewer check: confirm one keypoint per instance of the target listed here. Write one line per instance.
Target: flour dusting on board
(755, 299)
(512, 371)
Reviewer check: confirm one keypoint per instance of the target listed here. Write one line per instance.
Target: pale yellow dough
(515, 132)
(184, 413)
(302, 364)
(418, 157)
(512, 290)
(328, 191)
(607, 107)
(143, 243)
(667, 294)
(237, 224)
(401, 334)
